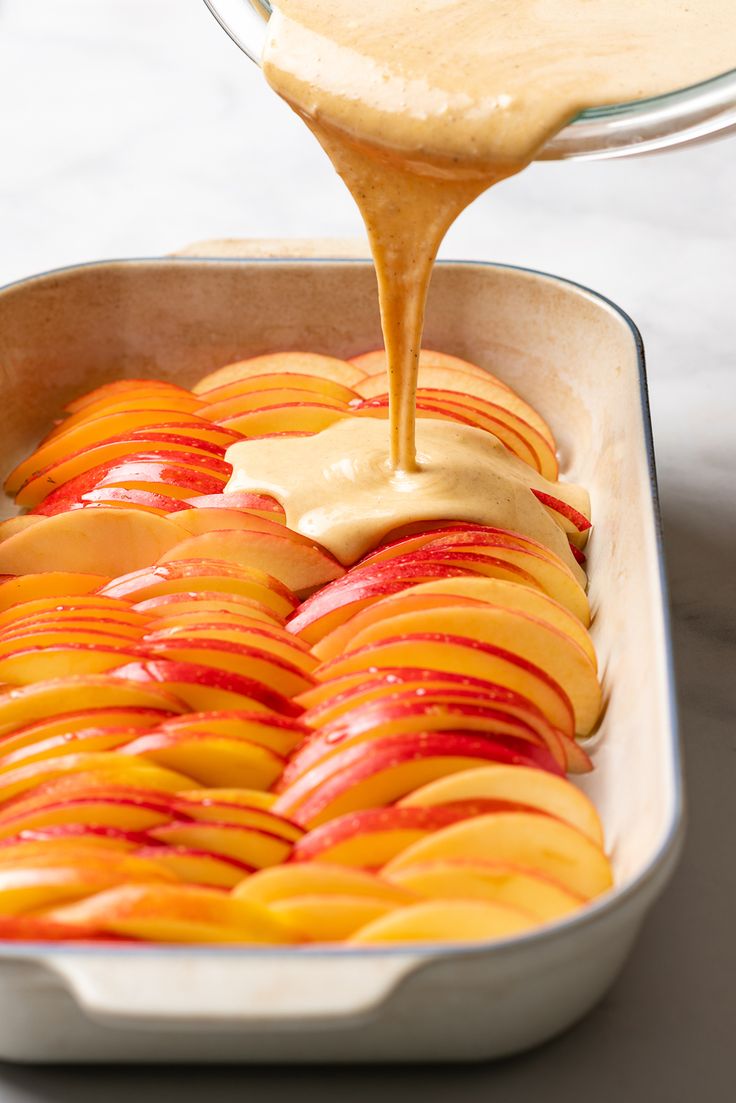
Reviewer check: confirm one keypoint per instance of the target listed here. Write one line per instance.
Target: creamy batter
(422, 105)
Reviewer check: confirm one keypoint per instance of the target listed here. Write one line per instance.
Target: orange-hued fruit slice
(318, 918)
(174, 913)
(299, 363)
(293, 381)
(48, 584)
(536, 842)
(319, 879)
(210, 760)
(446, 921)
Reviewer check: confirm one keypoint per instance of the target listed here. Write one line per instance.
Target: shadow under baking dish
(577, 358)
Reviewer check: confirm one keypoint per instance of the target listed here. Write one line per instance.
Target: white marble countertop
(132, 127)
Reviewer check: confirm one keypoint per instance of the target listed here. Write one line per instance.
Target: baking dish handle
(218, 986)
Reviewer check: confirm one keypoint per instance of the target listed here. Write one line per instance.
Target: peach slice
(240, 659)
(535, 788)
(101, 541)
(353, 779)
(446, 921)
(48, 584)
(298, 363)
(190, 575)
(173, 913)
(541, 897)
(298, 564)
(371, 837)
(536, 842)
(29, 704)
(316, 384)
(62, 879)
(533, 640)
(210, 760)
(451, 379)
(276, 733)
(317, 918)
(199, 867)
(292, 417)
(318, 879)
(254, 846)
(442, 651)
(204, 688)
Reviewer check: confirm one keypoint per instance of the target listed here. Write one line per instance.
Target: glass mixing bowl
(684, 117)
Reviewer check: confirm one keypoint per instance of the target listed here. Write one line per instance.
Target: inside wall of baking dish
(566, 351)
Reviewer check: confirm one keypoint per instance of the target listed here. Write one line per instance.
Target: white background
(132, 127)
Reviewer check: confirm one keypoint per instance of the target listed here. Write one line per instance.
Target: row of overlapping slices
(212, 732)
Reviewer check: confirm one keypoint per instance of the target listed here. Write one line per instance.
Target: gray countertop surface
(132, 127)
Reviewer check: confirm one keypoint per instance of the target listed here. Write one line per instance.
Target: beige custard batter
(421, 105)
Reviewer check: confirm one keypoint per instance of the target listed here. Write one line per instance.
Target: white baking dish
(578, 359)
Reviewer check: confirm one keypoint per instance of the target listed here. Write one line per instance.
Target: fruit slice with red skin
(142, 400)
(300, 363)
(63, 790)
(70, 629)
(375, 362)
(46, 662)
(16, 524)
(525, 599)
(217, 810)
(465, 656)
(113, 497)
(572, 521)
(103, 454)
(98, 429)
(119, 388)
(70, 722)
(163, 477)
(460, 879)
(254, 846)
(260, 504)
(532, 840)
(29, 704)
(354, 779)
(329, 918)
(270, 398)
(173, 913)
(48, 584)
(208, 759)
(283, 882)
(239, 630)
(334, 605)
(84, 741)
(188, 575)
(201, 799)
(105, 542)
(178, 607)
(194, 522)
(240, 660)
(257, 384)
(124, 812)
(110, 765)
(373, 836)
(280, 734)
(79, 605)
(535, 788)
(60, 879)
(299, 564)
(381, 719)
(445, 921)
(197, 867)
(203, 688)
(450, 379)
(15, 848)
(533, 640)
(292, 417)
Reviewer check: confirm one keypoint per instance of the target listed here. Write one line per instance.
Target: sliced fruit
(445, 921)
(299, 363)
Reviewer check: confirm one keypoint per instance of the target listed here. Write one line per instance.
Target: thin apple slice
(292, 417)
(125, 812)
(44, 662)
(67, 723)
(210, 760)
(241, 404)
(446, 921)
(104, 541)
(298, 879)
(260, 504)
(199, 867)
(83, 741)
(329, 918)
(204, 606)
(47, 584)
(16, 524)
(376, 363)
(271, 730)
(299, 363)
(240, 659)
(168, 913)
(108, 765)
(535, 788)
(255, 384)
(239, 630)
(118, 388)
(203, 688)
(251, 845)
(490, 881)
(113, 497)
(299, 564)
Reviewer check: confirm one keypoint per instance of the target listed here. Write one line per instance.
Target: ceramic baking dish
(579, 360)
